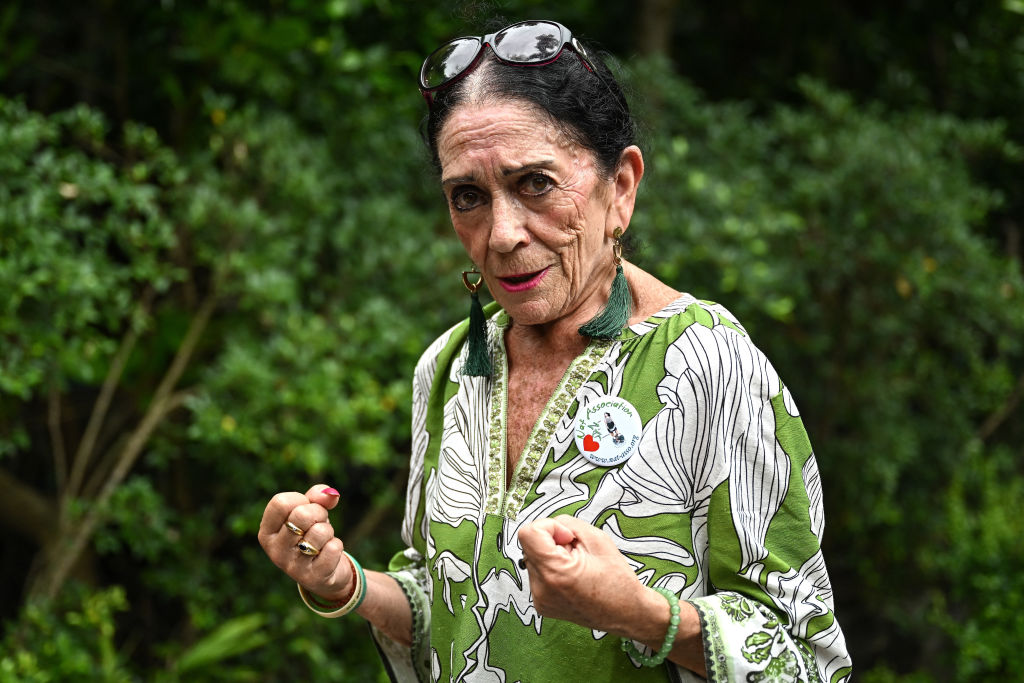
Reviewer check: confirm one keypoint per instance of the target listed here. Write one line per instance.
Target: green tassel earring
(609, 322)
(478, 358)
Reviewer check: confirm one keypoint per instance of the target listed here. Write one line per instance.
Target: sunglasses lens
(529, 42)
(448, 61)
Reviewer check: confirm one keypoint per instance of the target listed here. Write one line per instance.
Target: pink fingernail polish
(331, 491)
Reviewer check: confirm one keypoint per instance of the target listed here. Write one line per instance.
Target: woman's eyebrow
(544, 163)
(471, 178)
(457, 180)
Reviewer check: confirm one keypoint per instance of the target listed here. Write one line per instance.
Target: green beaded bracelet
(670, 637)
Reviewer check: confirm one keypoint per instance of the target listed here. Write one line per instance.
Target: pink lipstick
(522, 281)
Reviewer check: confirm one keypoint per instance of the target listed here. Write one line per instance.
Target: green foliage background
(222, 251)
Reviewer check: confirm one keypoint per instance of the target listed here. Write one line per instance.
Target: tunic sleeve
(768, 614)
(408, 664)
(408, 567)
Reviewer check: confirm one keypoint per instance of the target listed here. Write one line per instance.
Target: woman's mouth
(520, 282)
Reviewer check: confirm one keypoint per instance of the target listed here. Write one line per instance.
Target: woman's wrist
(644, 616)
(648, 623)
(654, 622)
(349, 602)
(661, 650)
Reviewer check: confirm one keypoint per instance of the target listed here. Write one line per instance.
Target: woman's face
(531, 211)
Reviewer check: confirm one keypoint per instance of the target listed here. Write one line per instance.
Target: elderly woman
(608, 481)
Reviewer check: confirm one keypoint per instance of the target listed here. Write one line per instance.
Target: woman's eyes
(536, 184)
(468, 197)
(465, 198)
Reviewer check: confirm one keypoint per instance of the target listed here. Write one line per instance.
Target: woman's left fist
(578, 574)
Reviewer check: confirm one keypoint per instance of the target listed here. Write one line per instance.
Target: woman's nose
(508, 226)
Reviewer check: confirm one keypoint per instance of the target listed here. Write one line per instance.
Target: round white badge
(608, 431)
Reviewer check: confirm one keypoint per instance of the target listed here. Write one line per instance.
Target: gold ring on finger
(294, 529)
(307, 548)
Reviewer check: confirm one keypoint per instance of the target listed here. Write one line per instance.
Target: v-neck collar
(508, 501)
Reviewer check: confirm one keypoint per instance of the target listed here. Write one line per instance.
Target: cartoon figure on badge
(617, 438)
(608, 431)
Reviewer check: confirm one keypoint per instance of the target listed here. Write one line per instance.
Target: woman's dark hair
(588, 107)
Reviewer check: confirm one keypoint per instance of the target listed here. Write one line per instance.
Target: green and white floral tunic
(720, 503)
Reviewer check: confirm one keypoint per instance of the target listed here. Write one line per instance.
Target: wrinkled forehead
(505, 131)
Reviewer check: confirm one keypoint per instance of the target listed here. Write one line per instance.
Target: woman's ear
(625, 183)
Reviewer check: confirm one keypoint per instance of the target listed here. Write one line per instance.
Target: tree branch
(101, 471)
(65, 554)
(188, 346)
(99, 412)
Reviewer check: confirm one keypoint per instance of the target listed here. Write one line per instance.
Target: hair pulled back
(589, 108)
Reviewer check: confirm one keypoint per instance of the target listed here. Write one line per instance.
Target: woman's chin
(529, 312)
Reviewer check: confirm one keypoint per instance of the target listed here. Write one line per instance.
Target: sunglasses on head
(527, 43)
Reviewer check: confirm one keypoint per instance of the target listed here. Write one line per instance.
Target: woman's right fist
(297, 536)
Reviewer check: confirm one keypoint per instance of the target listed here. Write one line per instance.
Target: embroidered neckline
(499, 407)
(539, 442)
(508, 502)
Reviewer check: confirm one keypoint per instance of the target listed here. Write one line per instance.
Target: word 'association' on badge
(608, 431)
